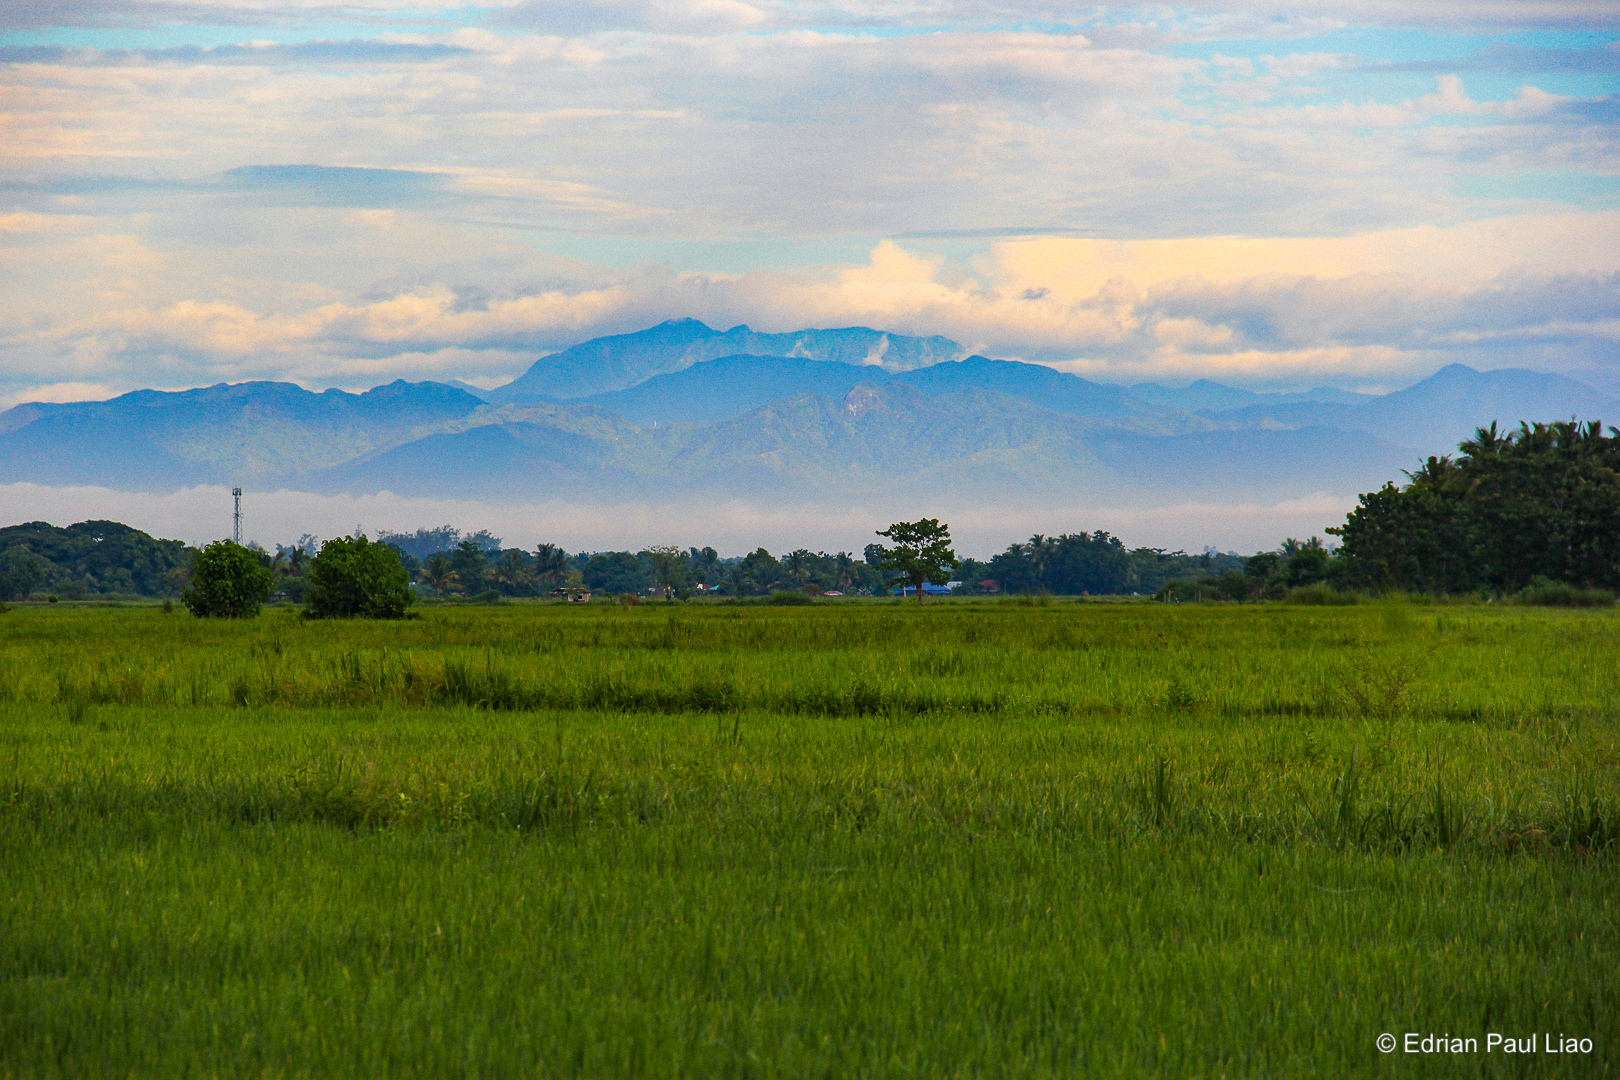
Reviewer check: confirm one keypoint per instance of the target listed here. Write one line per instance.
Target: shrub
(789, 599)
(1321, 595)
(355, 578)
(227, 583)
(1544, 593)
(1234, 586)
(1182, 591)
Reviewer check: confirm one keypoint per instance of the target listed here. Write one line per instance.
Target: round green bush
(227, 582)
(355, 578)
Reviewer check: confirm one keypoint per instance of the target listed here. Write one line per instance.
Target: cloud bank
(1278, 194)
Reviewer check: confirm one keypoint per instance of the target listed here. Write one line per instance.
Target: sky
(1275, 195)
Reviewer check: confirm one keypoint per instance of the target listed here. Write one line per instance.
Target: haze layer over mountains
(685, 412)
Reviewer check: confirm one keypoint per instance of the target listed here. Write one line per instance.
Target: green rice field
(845, 840)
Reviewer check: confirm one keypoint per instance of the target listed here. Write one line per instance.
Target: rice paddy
(971, 839)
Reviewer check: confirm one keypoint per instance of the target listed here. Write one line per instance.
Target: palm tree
(797, 565)
(513, 570)
(703, 562)
(550, 564)
(436, 571)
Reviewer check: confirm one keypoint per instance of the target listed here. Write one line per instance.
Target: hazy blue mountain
(544, 451)
(255, 433)
(625, 360)
(877, 439)
(1201, 395)
(873, 438)
(781, 428)
(1054, 390)
(1432, 416)
(994, 447)
(476, 391)
(715, 390)
(1205, 396)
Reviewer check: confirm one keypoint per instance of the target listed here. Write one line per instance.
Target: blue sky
(1277, 195)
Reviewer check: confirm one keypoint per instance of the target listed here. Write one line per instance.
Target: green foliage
(1544, 593)
(757, 573)
(1321, 595)
(1235, 586)
(352, 577)
(1092, 563)
(702, 565)
(514, 573)
(1068, 564)
(424, 542)
(617, 572)
(21, 571)
(668, 566)
(921, 553)
(471, 566)
(94, 557)
(439, 574)
(550, 566)
(1541, 501)
(228, 582)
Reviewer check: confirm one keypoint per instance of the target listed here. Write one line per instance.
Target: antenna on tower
(236, 518)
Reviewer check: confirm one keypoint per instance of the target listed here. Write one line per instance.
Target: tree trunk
(919, 581)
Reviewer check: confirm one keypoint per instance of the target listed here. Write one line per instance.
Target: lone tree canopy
(353, 577)
(921, 552)
(228, 582)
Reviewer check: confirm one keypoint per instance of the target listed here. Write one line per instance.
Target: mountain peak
(607, 364)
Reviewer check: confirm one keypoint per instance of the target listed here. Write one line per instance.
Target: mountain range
(682, 411)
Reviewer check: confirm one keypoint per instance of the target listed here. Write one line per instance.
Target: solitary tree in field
(355, 578)
(227, 582)
(921, 552)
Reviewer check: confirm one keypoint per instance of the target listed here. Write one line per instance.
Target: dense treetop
(101, 557)
(1539, 502)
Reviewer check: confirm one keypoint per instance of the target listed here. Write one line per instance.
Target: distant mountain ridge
(625, 360)
(1449, 405)
(713, 390)
(778, 429)
(255, 432)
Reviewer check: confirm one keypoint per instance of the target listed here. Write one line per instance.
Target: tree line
(1514, 509)
(1535, 508)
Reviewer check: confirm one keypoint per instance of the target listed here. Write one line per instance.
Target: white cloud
(1374, 308)
(1083, 196)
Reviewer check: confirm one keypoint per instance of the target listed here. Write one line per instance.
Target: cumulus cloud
(1366, 310)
